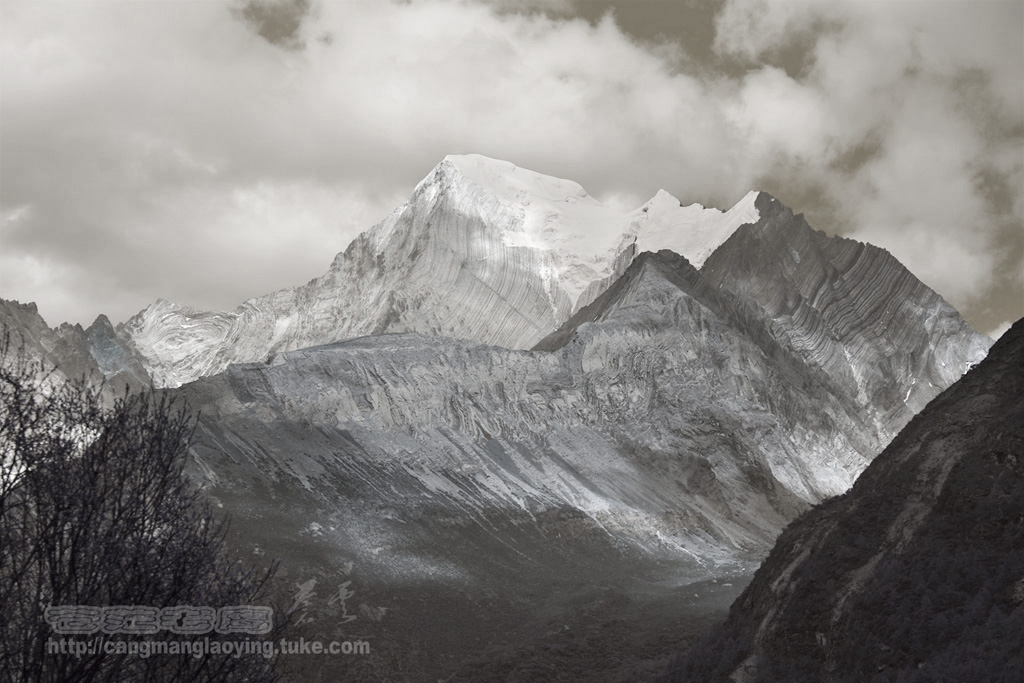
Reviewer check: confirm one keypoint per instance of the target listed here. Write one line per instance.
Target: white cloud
(752, 29)
(168, 150)
(922, 93)
(780, 116)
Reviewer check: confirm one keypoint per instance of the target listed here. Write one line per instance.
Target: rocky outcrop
(28, 336)
(914, 574)
(115, 357)
(96, 355)
(850, 309)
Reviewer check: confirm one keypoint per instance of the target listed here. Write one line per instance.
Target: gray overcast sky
(207, 152)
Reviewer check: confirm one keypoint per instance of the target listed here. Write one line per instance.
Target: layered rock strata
(482, 251)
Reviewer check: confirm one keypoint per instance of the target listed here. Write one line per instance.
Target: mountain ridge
(926, 546)
(664, 427)
(473, 254)
(845, 305)
(486, 251)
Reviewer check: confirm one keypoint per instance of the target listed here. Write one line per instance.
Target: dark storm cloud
(279, 22)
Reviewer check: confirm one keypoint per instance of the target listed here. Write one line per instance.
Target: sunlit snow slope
(482, 251)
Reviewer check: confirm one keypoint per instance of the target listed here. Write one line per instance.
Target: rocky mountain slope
(782, 365)
(482, 251)
(659, 440)
(97, 354)
(850, 309)
(774, 372)
(469, 489)
(499, 399)
(913, 575)
(701, 449)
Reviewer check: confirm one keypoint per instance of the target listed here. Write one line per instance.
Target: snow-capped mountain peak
(513, 183)
(550, 214)
(483, 250)
(584, 236)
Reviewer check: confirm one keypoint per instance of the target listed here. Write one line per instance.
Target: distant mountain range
(482, 251)
(504, 379)
(777, 370)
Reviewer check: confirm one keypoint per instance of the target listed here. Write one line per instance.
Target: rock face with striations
(488, 253)
(700, 449)
(850, 309)
(661, 438)
(483, 251)
(915, 573)
(673, 415)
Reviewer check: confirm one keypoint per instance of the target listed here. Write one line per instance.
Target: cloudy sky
(207, 152)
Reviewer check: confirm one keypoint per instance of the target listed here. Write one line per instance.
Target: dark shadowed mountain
(915, 574)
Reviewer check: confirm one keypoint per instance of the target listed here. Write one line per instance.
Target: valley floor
(596, 625)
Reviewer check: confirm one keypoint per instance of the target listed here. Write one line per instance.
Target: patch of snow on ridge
(584, 235)
(693, 231)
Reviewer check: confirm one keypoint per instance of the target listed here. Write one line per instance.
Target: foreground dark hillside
(916, 574)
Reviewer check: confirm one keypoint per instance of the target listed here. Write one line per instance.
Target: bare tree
(96, 512)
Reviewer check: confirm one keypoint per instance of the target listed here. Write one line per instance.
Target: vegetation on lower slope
(96, 514)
